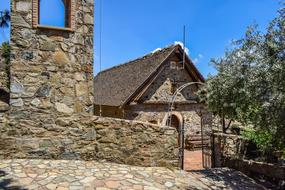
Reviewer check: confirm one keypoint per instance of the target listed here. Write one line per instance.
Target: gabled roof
(115, 86)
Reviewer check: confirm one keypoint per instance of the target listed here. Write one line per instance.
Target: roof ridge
(139, 58)
(118, 84)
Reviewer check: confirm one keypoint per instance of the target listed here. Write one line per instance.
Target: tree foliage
(5, 51)
(4, 19)
(250, 84)
(4, 65)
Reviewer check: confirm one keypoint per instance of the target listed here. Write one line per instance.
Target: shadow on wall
(7, 183)
(4, 96)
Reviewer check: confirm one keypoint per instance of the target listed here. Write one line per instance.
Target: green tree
(4, 22)
(250, 85)
(4, 19)
(4, 65)
(5, 51)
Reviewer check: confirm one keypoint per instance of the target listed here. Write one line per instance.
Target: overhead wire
(100, 50)
(184, 45)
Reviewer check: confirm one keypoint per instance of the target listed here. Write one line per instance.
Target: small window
(53, 14)
(56, 18)
(173, 65)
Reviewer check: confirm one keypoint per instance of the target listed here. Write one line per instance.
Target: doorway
(198, 149)
(194, 149)
(193, 152)
(176, 121)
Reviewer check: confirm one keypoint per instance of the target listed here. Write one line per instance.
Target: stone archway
(188, 159)
(175, 120)
(178, 117)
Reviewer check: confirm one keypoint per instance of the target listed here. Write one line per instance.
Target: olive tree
(250, 85)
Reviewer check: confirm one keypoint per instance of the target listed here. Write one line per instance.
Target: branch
(229, 124)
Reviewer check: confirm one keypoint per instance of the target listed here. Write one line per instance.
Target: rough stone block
(18, 20)
(62, 108)
(17, 102)
(23, 6)
(81, 89)
(61, 58)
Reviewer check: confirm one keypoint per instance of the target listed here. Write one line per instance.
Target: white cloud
(195, 60)
(182, 45)
(198, 58)
(157, 49)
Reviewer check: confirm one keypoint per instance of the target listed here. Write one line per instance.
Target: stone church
(142, 89)
(47, 96)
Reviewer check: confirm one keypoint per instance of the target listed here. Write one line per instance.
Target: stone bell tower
(51, 67)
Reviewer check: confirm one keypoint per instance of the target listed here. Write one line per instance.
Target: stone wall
(51, 69)
(252, 168)
(51, 99)
(228, 146)
(229, 151)
(4, 90)
(95, 138)
(191, 114)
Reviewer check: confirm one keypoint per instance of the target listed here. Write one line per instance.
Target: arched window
(53, 13)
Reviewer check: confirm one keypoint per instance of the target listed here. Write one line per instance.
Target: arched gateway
(175, 120)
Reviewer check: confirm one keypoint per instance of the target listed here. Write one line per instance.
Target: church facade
(142, 90)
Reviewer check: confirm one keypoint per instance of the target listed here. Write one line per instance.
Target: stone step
(196, 145)
(196, 138)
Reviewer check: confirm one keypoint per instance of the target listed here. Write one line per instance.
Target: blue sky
(132, 28)
(4, 33)
(57, 12)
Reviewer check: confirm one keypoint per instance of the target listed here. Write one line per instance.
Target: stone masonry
(149, 102)
(228, 145)
(51, 98)
(95, 138)
(51, 69)
(154, 104)
(4, 89)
